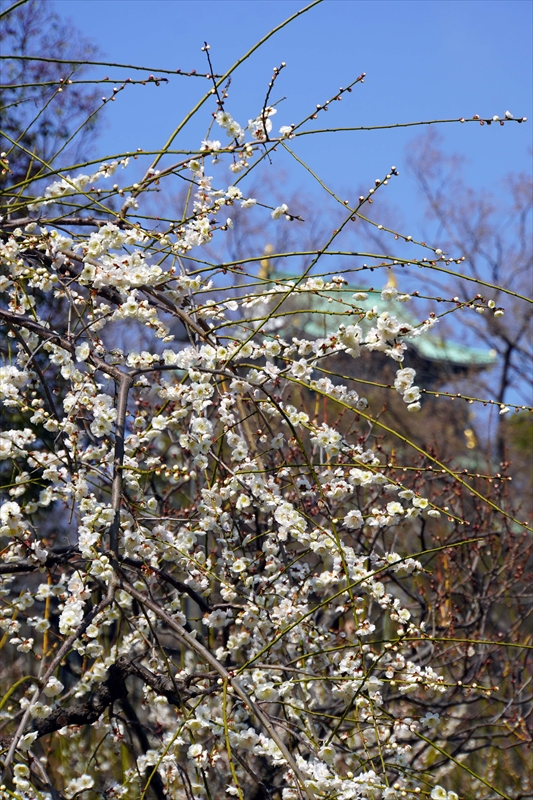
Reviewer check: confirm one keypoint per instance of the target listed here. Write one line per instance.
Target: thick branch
(59, 556)
(125, 384)
(86, 713)
(113, 689)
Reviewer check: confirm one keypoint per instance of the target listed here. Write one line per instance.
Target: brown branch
(58, 221)
(152, 777)
(52, 336)
(200, 328)
(207, 656)
(174, 691)
(177, 584)
(59, 556)
(112, 689)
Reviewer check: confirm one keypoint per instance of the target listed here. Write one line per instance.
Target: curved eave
(452, 353)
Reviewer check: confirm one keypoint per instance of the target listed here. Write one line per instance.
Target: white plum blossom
(11, 380)
(261, 126)
(353, 519)
(77, 785)
(438, 793)
(71, 617)
(11, 519)
(389, 293)
(53, 687)
(74, 185)
(232, 128)
(351, 336)
(329, 439)
(280, 211)
(83, 351)
(411, 395)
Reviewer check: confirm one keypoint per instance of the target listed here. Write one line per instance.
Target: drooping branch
(168, 578)
(207, 656)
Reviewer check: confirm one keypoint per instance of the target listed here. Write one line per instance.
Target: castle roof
(326, 309)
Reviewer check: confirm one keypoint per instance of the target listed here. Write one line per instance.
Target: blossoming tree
(212, 566)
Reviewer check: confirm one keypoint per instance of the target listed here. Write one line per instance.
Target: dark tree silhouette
(39, 116)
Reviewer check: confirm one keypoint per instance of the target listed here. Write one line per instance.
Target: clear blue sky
(424, 59)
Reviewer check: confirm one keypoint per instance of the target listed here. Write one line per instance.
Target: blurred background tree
(494, 233)
(40, 49)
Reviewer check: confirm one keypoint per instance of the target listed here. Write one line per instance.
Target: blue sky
(423, 59)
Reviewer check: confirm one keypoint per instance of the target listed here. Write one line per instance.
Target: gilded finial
(391, 281)
(264, 272)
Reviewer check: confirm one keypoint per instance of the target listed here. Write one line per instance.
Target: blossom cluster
(72, 185)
